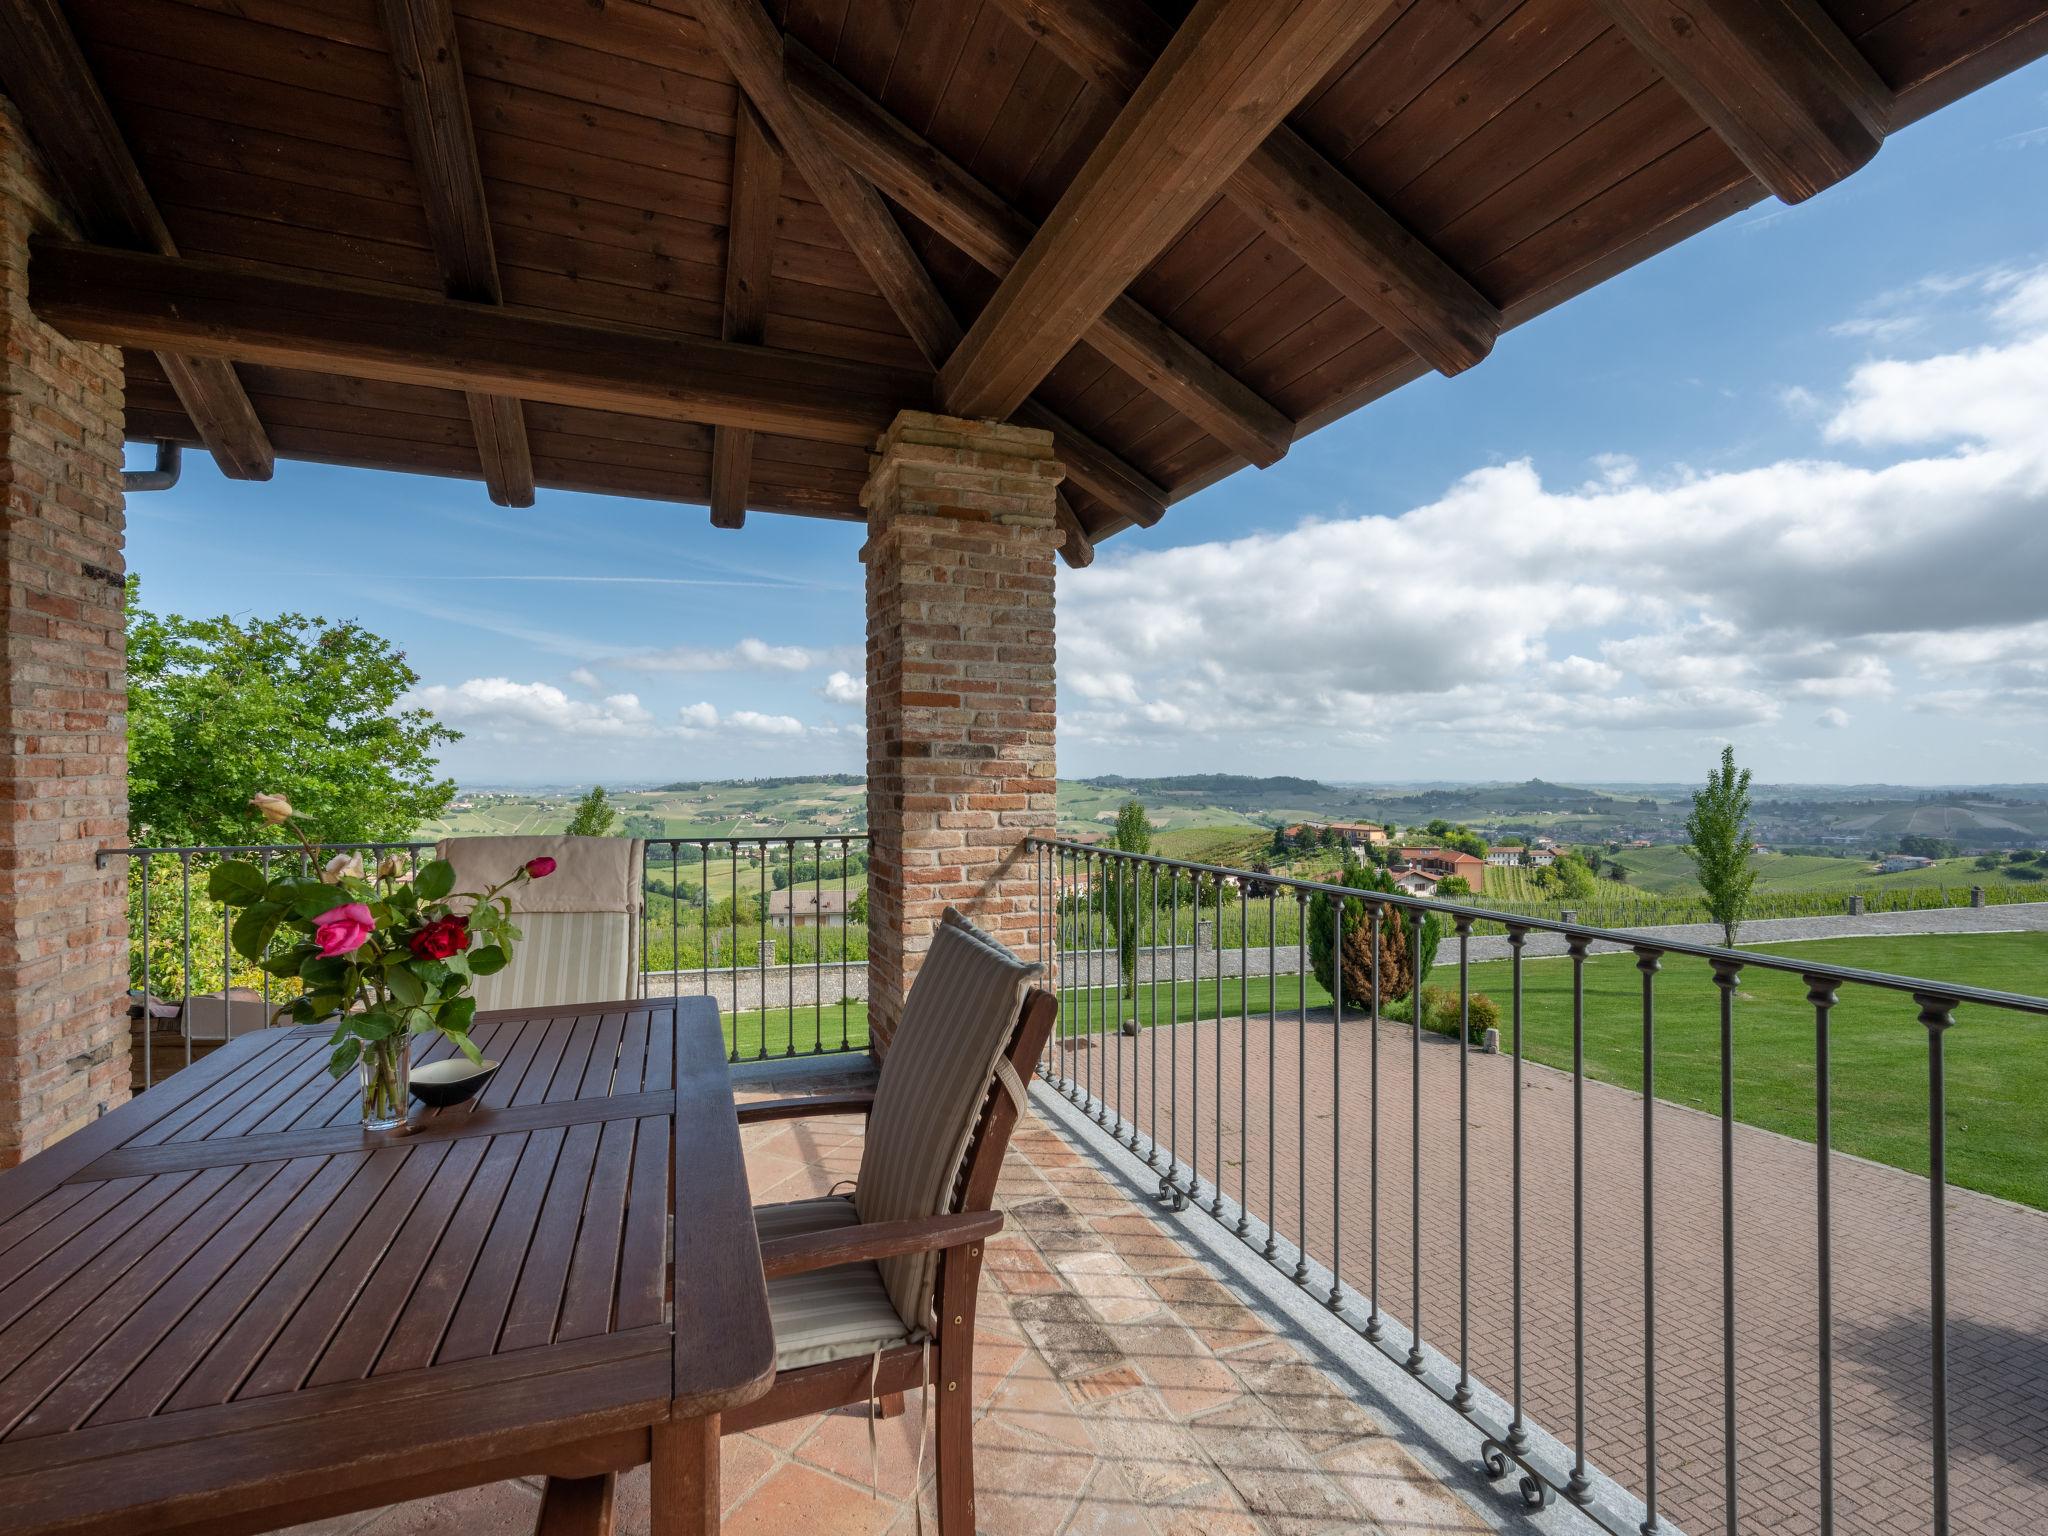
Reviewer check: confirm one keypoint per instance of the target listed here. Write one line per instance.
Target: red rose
(540, 868)
(443, 937)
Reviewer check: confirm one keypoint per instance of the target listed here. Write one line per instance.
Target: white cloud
(756, 724)
(1634, 601)
(500, 706)
(749, 655)
(844, 688)
(1832, 718)
(583, 677)
(698, 717)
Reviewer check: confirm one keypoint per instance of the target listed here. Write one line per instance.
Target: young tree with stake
(1718, 841)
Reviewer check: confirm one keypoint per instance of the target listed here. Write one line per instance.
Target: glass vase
(386, 1068)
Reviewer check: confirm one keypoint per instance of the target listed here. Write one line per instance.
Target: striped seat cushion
(956, 1023)
(565, 957)
(828, 1314)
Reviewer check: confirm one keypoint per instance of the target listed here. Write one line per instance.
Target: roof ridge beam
(1293, 192)
(1778, 80)
(435, 105)
(944, 195)
(46, 73)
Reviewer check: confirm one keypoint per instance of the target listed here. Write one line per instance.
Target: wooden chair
(862, 1287)
(580, 926)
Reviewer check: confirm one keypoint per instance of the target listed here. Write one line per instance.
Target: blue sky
(1785, 485)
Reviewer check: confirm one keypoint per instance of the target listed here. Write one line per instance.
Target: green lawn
(772, 1032)
(1997, 1062)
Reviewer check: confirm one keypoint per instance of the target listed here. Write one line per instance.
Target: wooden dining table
(225, 1307)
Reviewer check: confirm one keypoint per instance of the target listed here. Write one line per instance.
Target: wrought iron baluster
(1152, 1032)
(1272, 1033)
(1579, 1489)
(1462, 1398)
(1244, 1065)
(1726, 974)
(1216, 1193)
(1415, 1357)
(1937, 1013)
(1301, 910)
(1649, 962)
(1821, 992)
(1334, 1301)
(1373, 1327)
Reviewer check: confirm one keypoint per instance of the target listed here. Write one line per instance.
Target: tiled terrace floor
(1122, 1391)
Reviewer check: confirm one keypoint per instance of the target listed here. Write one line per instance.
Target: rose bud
(274, 809)
(540, 868)
(342, 864)
(390, 867)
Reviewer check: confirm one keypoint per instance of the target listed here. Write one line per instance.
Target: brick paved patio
(1998, 1257)
(1123, 1392)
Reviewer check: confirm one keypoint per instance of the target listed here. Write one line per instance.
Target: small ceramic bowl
(440, 1084)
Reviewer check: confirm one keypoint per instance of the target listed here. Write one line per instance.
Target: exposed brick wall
(63, 701)
(961, 540)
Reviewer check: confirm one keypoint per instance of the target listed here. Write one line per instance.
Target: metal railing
(1131, 934)
(790, 974)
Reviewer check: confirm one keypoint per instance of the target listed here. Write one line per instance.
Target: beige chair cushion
(956, 1023)
(580, 926)
(828, 1314)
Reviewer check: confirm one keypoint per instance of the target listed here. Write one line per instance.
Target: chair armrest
(875, 1240)
(804, 1108)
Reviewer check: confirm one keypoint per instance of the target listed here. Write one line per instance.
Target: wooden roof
(998, 206)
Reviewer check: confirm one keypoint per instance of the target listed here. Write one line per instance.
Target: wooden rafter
(45, 72)
(1231, 72)
(1294, 193)
(225, 310)
(945, 196)
(443, 139)
(749, 257)
(752, 49)
(1778, 80)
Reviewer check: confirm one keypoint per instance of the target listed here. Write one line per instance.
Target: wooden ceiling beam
(46, 74)
(435, 105)
(1232, 71)
(224, 310)
(749, 261)
(1778, 80)
(941, 193)
(1293, 192)
(751, 46)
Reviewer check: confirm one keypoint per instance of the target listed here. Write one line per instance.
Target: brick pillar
(961, 538)
(63, 700)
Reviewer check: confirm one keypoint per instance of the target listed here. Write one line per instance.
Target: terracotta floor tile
(1097, 1385)
(1113, 1292)
(1108, 1507)
(1396, 1492)
(1269, 1471)
(1155, 1453)
(840, 1445)
(508, 1506)
(1024, 1486)
(1190, 1379)
(1211, 1309)
(796, 1498)
(1067, 1333)
(1031, 1399)
(1306, 1402)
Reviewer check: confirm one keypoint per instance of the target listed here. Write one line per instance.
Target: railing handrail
(151, 849)
(1916, 986)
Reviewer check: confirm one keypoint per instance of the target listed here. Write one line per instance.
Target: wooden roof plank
(47, 76)
(1295, 194)
(941, 193)
(1230, 74)
(749, 265)
(1778, 80)
(428, 61)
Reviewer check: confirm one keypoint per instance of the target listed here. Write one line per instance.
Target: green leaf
(254, 930)
(435, 880)
(433, 971)
(456, 1014)
(235, 883)
(345, 1056)
(458, 965)
(310, 898)
(466, 1045)
(487, 961)
(285, 964)
(405, 986)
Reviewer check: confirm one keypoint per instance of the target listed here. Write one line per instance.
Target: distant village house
(807, 909)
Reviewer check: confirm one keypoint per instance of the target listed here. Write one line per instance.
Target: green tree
(1133, 829)
(1133, 834)
(1398, 966)
(221, 709)
(596, 816)
(1718, 843)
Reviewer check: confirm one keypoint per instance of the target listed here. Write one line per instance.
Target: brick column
(961, 540)
(63, 700)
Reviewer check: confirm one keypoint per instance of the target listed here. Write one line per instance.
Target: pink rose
(540, 868)
(344, 930)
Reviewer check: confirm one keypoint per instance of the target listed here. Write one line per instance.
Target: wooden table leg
(578, 1506)
(683, 1477)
